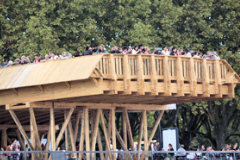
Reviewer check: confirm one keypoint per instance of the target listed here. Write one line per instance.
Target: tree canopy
(37, 27)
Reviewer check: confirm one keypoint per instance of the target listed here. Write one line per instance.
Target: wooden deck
(35, 99)
(134, 79)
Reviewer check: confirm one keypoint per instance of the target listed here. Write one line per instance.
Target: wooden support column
(35, 130)
(155, 126)
(4, 138)
(193, 79)
(140, 135)
(64, 126)
(48, 139)
(114, 143)
(33, 138)
(52, 124)
(205, 79)
(109, 125)
(22, 131)
(82, 134)
(129, 130)
(140, 78)
(113, 74)
(218, 79)
(66, 132)
(154, 80)
(167, 80)
(124, 127)
(72, 138)
(145, 131)
(95, 130)
(87, 141)
(127, 75)
(180, 79)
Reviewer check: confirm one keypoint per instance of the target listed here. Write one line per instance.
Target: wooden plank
(167, 80)
(106, 136)
(114, 143)
(129, 106)
(64, 126)
(193, 79)
(52, 128)
(27, 127)
(140, 78)
(154, 80)
(206, 92)
(22, 131)
(180, 79)
(127, 75)
(155, 126)
(72, 138)
(86, 125)
(112, 74)
(218, 79)
(35, 129)
(129, 130)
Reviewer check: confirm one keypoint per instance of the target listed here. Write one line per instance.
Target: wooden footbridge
(77, 99)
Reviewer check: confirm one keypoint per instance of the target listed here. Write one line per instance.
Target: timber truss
(77, 99)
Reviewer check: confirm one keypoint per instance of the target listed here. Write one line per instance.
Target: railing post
(113, 74)
(153, 76)
(218, 80)
(140, 75)
(126, 73)
(193, 79)
(180, 79)
(167, 80)
(205, 79)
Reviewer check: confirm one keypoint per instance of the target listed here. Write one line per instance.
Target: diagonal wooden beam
(20, 140)
(155, 126)
(72, 137)
(22, 131)
(95, 130)
(64, 126)
(77, 124)
(35, 128)
(82, 133)
(105, 133)
(129, 130)
(121, 141)
(140, 135)
(99, 141)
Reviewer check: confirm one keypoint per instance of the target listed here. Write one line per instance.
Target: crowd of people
(200, 153)
(101, 49)
(195, 153)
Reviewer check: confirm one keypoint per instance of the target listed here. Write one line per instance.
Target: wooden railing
(159, 65)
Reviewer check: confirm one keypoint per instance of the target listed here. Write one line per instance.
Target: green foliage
(37, 27)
